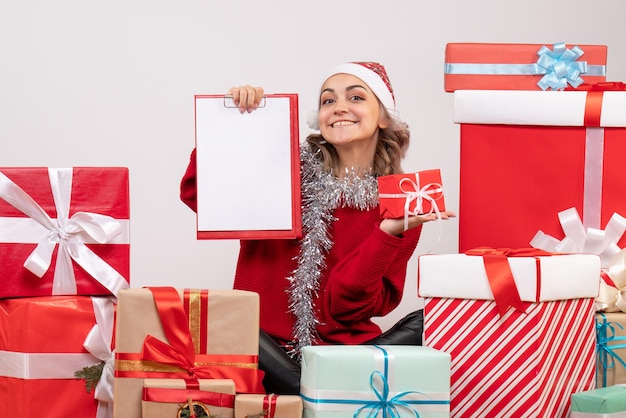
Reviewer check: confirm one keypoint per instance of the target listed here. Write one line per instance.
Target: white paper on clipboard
(245, 168)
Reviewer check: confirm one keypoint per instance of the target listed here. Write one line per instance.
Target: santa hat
(374, 75)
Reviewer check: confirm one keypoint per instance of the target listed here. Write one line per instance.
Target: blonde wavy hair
(393, 143)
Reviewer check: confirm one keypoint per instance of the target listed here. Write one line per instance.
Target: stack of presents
(526, 320)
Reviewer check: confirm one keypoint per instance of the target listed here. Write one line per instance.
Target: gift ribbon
(605, 334)
(558, 66)
(98, 343)
(196, 303)
(32, 366)
(178, 358)
(500, 276)
(417, 194)
(269, 405)
(69, 233)
(384, 401)
(594, 149)
(222, 400)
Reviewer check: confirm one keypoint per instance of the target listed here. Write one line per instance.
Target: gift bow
(605, 333)
(559, 67)
(579, 239)
(388, 407)
(98, 343)
(603, 243)
(612, 295)
(499, 275)
(69, 233)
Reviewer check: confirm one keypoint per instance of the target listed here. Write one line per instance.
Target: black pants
(282, 373)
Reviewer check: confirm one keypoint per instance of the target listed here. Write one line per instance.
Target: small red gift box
(401, 195)
(528, 155)
(493, 66)
(44, 341)
(64, 231)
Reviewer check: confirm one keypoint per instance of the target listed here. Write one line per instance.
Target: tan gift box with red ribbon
(166, 398)
(170, 333)
(268, 406)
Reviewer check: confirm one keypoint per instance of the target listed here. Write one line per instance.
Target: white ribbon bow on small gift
(98, 343)
(593, 241)
(69, 233)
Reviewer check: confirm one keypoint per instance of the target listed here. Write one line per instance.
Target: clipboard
(248, 168)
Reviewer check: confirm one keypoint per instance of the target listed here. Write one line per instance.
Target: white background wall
(111, 83)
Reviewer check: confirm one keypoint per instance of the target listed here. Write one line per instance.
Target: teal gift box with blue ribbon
(371, 380)
(501, 66)
(609, 402)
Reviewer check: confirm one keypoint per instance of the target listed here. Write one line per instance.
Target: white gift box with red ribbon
(525, 361)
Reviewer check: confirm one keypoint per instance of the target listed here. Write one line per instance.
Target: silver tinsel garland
(322, 193)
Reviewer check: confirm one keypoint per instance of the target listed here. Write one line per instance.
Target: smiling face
(350, 114)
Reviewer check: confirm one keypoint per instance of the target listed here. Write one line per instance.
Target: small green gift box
(608, 402)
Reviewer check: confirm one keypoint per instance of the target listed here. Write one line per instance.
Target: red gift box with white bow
(64, 231)
(403, 195)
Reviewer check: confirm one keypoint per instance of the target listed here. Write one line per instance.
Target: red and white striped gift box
(519, 364)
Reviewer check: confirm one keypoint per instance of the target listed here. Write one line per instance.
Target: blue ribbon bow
(559, 67)
(605, 333)
(384, 404)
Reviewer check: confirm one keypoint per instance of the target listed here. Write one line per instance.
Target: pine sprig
(91, 375)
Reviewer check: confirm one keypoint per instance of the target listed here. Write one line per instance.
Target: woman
(350, 264)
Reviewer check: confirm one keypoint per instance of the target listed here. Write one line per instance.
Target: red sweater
(364, 276)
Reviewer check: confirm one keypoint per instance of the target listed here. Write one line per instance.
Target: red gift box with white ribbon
(404, 195)
(64, 231)
(44, 341)
(528, 155)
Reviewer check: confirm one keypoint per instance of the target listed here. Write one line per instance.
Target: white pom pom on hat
(373, 74)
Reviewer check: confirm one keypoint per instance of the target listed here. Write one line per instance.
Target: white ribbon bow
(579, 239)
(69, 233)
(98, 343)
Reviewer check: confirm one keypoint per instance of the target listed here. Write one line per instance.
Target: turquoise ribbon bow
(605, 333)
(559, 67)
